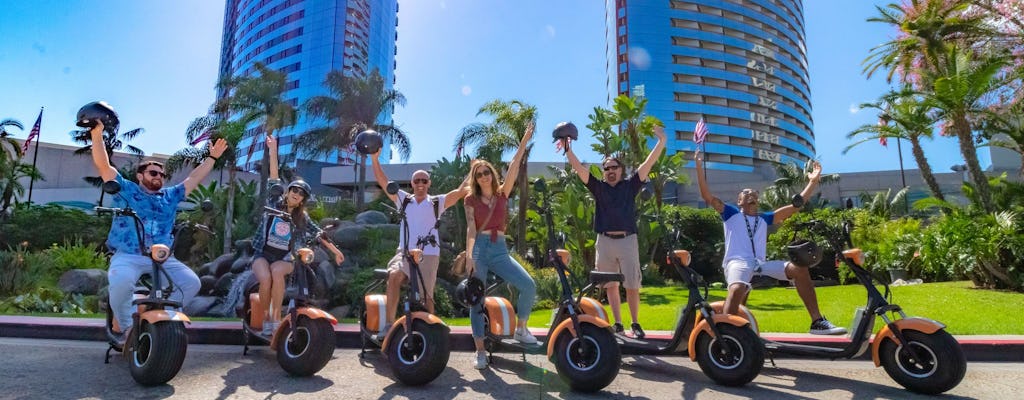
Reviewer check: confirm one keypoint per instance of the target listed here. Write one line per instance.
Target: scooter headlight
(564, 255)
(160, 253)
(417, 255)
(305, 255)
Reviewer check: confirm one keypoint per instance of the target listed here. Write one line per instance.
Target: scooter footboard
(705, 327)
(566, 327)
(923, 325)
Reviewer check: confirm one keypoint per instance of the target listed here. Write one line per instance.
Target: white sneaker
(481, 360)
(268, 328)
(524, 336)
(383, 332)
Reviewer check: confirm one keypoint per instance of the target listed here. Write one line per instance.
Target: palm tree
(113, 140)
(958, 95)
(12, 171)
(258, 98)
(902, 115)
(353, 105)
(886, 204)
(1004, 127)
(210, 128)
(8, 146)
(791, 179)
(511, 119)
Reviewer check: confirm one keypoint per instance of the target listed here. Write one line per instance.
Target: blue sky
(156, 62)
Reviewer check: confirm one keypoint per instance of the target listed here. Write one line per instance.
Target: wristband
(215, 159)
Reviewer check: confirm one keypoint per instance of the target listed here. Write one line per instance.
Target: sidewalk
(976, 348)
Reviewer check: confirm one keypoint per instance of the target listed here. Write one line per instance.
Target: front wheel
(928, 364)
(588, 362)
(418, 357)
(157, 352)
(308, 349)
(734, 358)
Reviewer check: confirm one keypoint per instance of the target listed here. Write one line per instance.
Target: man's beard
(151, 185)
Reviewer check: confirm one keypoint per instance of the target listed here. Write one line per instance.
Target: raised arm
(99, 154)
(458, 193)
(813, 178)
(513, 168)
(271, 144)
(382, 179)
(196, 176)
(714, 202)
(645, 169)
(575, 163)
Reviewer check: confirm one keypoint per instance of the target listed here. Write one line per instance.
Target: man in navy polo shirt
(615, 224)
(746, 244)
(156, 206)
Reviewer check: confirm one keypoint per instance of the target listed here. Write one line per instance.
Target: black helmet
(368, 141)
(804, 253)
(470, 291)
(97, 110)
(565, 130)
(301, 184)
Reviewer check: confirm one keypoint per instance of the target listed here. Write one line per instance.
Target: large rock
(340, 312)
(222, 265)
(200, 305)
(325, 274)
(205, 269)
(223, 284)
(241, 264)
(82, 281)
(206, 284)
(350, 237)
(372, 217)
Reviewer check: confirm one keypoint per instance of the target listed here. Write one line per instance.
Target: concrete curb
(1009, 348)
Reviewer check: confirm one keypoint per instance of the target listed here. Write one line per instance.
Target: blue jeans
(493, 257)
(126, 268)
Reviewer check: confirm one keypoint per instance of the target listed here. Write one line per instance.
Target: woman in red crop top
(486, 215)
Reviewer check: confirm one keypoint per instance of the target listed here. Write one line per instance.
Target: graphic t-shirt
(279, 233)
(746, 236)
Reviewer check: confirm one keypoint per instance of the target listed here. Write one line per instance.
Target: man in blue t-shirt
(615, 223)
(746, 243)
(156, 206)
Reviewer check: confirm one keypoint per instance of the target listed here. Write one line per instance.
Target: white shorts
(742, 270)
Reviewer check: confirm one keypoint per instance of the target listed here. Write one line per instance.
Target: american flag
(884, 141)
(700, 132)
(34, 134)
(205, 136)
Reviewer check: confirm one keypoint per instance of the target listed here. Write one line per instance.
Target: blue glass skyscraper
(306, 39)
(739, 64)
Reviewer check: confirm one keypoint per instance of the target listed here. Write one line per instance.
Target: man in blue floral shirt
(156, 206)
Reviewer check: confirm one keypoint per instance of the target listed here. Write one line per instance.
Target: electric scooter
(304, 341)
(157, 341)
(416, 346)
(916, 352)
(580, 341)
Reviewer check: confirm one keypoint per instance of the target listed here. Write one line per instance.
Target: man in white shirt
(746, 238)
(422, 213)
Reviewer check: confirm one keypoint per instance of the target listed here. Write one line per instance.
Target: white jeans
(125, 270)
(742, 270)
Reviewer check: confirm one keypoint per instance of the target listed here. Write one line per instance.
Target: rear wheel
(588, 362)
(928, 363)
(308, 349)
(418, 357)
(734, 358)
(157, 352)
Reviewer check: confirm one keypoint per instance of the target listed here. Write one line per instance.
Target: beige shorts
(619, 255)
(428, 268)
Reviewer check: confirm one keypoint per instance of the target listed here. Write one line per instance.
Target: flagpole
(35, 156)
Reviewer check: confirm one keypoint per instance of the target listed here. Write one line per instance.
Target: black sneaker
(638, 332)
(618, 328)
(823, 327)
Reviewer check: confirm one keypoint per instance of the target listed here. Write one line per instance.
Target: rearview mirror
(646, 193)
(540, 185)
(206, 206)
(392, 188)
(111, 187)
(798, 200)
(276, 190)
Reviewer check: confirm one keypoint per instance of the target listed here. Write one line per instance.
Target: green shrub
(21, 271)
(40, 227)
(76, 255)
(443, 303)
(49, 300)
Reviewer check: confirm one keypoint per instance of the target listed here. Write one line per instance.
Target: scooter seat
(598, 277)
(380, 274)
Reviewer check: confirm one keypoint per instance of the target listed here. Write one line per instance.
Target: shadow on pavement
(260, 372)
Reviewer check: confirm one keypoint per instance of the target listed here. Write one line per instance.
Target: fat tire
(740, 365)
(943, 369)
(411, 364)
(313, 348)
(157, 352)
(587, 372)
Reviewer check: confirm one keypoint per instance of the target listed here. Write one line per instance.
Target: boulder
(82, 281)
(223, 284)
(205, 269)
(206, 284)
(200, 305)
(350, 237)
(325, 274)
(241, 264)
(340, 312)
(243, 245)
(371, 217)
(222, 265)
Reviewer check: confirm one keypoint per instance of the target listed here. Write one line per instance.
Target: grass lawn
(780, 309)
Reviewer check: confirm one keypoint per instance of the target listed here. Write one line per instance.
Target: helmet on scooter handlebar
(804, 253)
(470, 291)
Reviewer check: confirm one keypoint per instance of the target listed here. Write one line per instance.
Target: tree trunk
(524, 204)
(229, 215)
(360, 196)
(926, 170)
(970, 153)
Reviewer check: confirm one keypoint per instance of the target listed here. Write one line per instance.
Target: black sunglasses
(296, 189)
(421, 181)
(611, 167)
(484, 172)
(154, 173)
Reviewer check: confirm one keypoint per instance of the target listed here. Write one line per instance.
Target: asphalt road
(60, 369)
